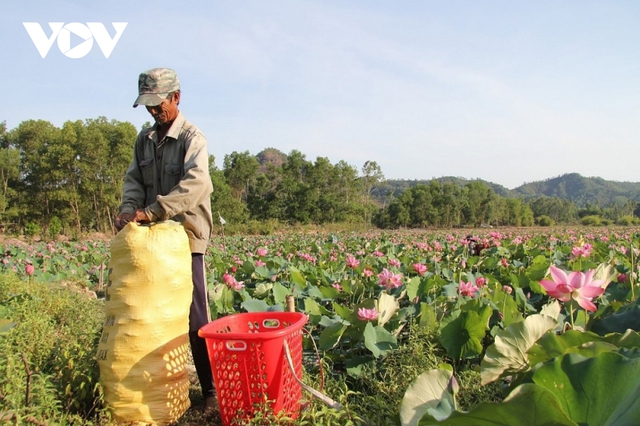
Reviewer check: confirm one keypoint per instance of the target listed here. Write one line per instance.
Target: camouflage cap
(154, 85)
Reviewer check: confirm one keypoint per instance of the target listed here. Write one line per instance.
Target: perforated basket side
(250, 368)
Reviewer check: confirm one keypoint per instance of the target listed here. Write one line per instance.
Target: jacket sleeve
(133, 192)
(194, 188)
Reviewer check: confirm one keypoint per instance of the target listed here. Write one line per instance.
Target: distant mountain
(497, 188)
(572, 186)
(398, 186)
(582, 190)
(270, 156)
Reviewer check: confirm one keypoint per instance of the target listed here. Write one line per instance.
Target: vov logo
(89, 32)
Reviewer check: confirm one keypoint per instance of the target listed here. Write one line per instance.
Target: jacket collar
(174, 130)
(176, 126)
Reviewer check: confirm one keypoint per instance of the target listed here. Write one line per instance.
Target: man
(169, 179)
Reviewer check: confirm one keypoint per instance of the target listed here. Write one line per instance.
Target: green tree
(9, 175)
(33, 139)
(371, 177)
(223, 203)
(558, 209)
(240, 170)
(480, 204)
(450, 205)
(107, 149)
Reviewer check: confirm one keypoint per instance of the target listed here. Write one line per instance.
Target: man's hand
(123, 219)
(139, 216)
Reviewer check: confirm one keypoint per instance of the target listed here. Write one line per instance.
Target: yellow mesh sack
(144, 346)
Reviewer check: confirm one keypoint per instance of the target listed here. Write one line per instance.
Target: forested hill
(393, 187)
(582, 190)
(572, 186)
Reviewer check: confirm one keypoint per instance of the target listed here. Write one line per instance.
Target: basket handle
(270, 323)
(236, 345)
(322, 397)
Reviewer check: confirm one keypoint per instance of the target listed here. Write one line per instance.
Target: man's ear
(176, 97)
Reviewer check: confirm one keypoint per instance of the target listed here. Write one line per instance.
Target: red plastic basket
(249, 365)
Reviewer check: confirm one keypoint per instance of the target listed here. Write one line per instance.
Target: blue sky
(506, 91)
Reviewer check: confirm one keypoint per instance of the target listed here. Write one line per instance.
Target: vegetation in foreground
(49, 374)
(388, 311)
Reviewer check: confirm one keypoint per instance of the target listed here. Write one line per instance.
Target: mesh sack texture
(144, 347)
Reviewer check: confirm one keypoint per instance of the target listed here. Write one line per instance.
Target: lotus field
(552, 315)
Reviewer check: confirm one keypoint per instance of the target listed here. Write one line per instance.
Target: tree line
(69, 180)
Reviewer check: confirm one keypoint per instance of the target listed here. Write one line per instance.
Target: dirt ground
(194, 415)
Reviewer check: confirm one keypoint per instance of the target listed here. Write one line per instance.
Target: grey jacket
(170, 180)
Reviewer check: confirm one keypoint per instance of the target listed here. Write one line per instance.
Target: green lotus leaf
(551, 346)
(428, 316)
(606, 273)
(343, 312)
(483, 310)
(629, 339)
(280, 293)
(506, 305)
(387, 306)
(461, 334)
(297, 277)
(428, 393)
(378, 340)
(414, 288)
(262, 290)
(264, 272)
(602, 390)
(508, 354)
(255, 305)
(355, 364)
(248, 267)
(312, 307)
(527, 405)
(627, 317)
(330, 336)
(539, 269)
(551, 310)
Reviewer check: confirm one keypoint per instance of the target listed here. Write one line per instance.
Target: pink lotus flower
(227, 278)
(467, 289)
(262, 252)
(231, 282)
(259, 263)
(337, 286)
(389, 280)
(584, 251)
(419, 268)
(367, 273)
(481, 281)
(504, 262)
(352, 262)
(577, 285)
(365, 314)
(622, 278)
(394, 262)
(507, 289)
(378, 253)
(29, 269)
